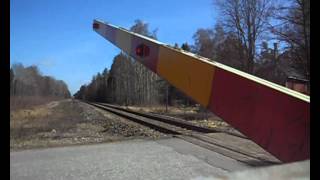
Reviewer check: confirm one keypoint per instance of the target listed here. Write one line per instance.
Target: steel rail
(192, 136)
(175, 121)
(273, 116)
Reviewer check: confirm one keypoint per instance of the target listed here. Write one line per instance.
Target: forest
(263, 38)
(29, 87)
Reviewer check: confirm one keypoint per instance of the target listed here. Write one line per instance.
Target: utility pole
(167, 96)
(275, 51)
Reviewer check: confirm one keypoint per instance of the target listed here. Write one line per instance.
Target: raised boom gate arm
(274, 117)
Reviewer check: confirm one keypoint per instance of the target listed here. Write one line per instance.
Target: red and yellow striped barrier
(273, 116)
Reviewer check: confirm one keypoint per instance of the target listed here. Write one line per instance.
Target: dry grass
(25, 123)
(162, 109)
(69, 122)
(23, 102)
(38, 125)
(196, 115)
(186, 113)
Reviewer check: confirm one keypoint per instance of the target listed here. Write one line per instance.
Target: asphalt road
(138, 159)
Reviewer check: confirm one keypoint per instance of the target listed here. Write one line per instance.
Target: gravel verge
(71, 122)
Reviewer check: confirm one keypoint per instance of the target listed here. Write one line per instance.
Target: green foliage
(186, 47)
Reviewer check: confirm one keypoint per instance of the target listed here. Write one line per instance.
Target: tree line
(129, 82)
(241, 39)
(28, 81)
(245, 30)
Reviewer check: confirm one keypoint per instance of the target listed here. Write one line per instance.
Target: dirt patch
(70, 122)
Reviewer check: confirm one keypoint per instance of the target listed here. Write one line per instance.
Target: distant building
(279, 68)
(297, 84)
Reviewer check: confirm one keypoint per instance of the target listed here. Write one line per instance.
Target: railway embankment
(71, 122)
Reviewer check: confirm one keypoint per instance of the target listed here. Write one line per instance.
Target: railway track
(175, 121)
(232, 145)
